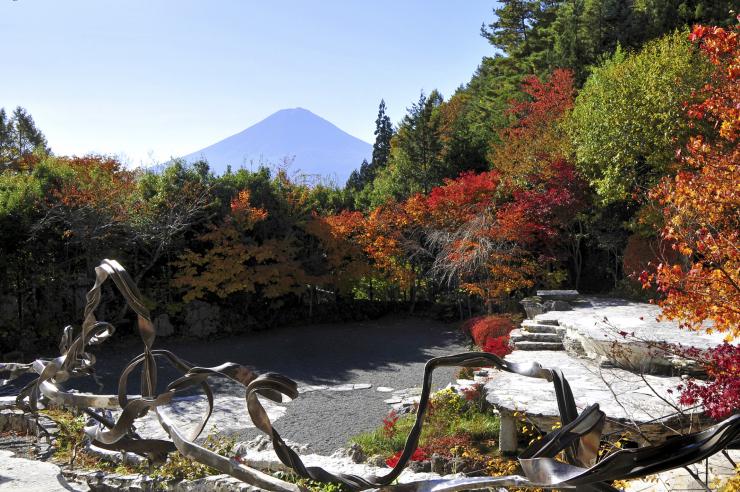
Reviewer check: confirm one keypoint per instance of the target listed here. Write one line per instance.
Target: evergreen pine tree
(381, 151)
(354, 182)
(19, 136)
(509, 32)
(4, 137)
(420, 145)
(383, 136)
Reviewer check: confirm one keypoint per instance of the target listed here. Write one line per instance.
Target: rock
(437, 464)
(533, 306)
(536, 397)
(229, 415)
(163, 326)
(420, 466)
(309, 388)
(384, 389)
(456, 465)
(558, 305)
(376, 460)
(202, 319)
(562, 295)
(20, 474)
(356, 454)
(350, 387)
(627, 334)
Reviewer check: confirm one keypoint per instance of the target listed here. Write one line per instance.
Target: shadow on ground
(313, 354)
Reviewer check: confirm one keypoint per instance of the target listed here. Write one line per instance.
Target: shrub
(483, 328)
(498, 346)
(448, 446)
(419, 455)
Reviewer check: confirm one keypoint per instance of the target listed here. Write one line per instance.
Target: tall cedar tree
(509, 32)
(381, 152)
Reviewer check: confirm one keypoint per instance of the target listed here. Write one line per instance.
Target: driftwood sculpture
(578, 439)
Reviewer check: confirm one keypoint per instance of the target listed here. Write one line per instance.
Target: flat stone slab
(229, 416)
(628, 399)
(718, 470)
(20, 474)
(626, 334)
(350, 387)
(337, 387)
(7, 402)
(537, 346)
(565, 295)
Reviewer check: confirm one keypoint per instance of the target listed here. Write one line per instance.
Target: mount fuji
(315, 146)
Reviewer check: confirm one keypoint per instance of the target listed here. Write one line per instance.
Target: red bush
(484, 328)
(498, 346)
(419, 455)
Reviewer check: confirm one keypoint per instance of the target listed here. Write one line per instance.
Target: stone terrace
(610, 352)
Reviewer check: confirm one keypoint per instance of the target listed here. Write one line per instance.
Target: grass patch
(451, 419)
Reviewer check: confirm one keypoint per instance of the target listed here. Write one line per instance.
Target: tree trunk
(413, 297)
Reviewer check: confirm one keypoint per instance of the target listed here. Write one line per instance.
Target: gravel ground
(388, 352)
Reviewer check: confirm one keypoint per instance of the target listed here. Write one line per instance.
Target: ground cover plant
(454, 424)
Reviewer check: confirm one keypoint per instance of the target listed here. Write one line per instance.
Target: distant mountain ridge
(318, 146)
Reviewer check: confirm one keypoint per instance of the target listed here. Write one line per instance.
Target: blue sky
(150, 79)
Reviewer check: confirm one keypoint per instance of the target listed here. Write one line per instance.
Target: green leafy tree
(627, 121)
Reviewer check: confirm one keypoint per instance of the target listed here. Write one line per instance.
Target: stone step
(538, 346)
(543, 321)
(540, 328)
(526, 336)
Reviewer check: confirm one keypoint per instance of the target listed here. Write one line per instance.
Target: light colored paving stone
(624, 396)
(229, 416)
(20, 474)
(625, 334)
(527, 336)
(557, 294)
(537, 346)
(309, 388)
(717, 470)
(384, 389)
(542, 321)
(350, 387)
(7, 402)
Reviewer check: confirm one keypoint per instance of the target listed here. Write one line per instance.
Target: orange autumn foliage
(97, 183)
(236, 262)
(701, 204)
